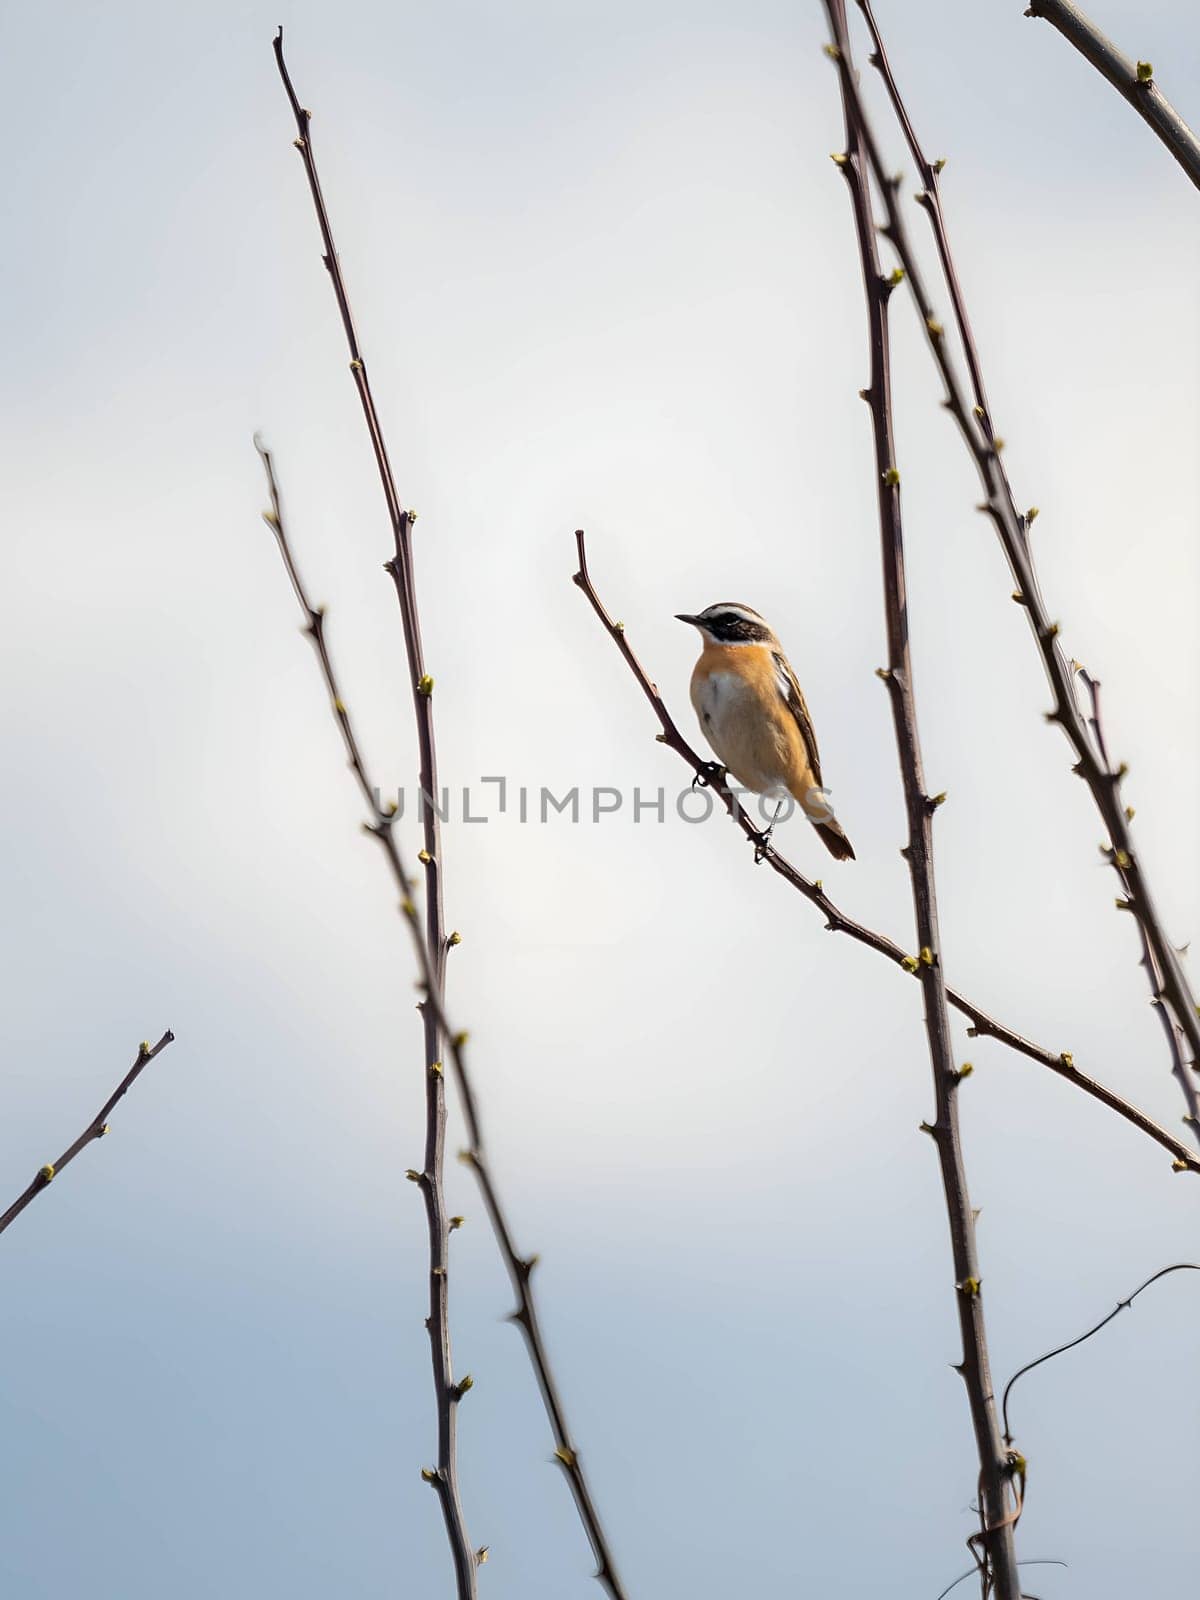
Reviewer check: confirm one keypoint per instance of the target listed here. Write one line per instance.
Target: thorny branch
(994, 1545)
(1121, 1305)
(96, 1129)
(1133, 80)
(976, 428)
(520, 1268)
(983, 1026)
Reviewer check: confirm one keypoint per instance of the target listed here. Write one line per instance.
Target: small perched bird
(754, 716)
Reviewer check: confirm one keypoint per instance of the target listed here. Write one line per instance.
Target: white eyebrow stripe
(742, 613)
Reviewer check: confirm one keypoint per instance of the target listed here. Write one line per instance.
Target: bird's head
(729, 623)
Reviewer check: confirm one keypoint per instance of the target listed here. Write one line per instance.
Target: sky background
(605, 275)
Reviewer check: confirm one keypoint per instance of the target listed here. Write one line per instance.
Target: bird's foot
(712, 774)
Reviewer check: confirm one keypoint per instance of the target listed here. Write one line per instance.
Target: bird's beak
(682, 616)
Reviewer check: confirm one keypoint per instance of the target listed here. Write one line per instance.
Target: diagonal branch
(520, 1268)
(983, 1025)
(1179, 1065)
(1121, 1305)
(1133, 81)
(400, 568)
(995, 1543)
(431, 1178)
(975, 426)
(96, 1129)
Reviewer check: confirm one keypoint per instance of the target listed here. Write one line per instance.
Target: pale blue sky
(605, 274)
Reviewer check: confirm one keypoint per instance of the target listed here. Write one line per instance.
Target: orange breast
(747, 722)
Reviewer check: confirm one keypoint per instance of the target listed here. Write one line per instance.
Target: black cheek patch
(739, 630)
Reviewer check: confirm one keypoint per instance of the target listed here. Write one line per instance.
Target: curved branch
(96, 1129)
(1061, 1063)
(1133, 81)
(971, 1571)
(1121, 1305)
(975, 426)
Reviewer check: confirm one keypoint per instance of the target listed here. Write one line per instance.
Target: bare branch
(971, 1571)
(520, 1268)
(96, 1129)
(975, 426)
(1062, 1063)
(1121, 1305)
(400, 568)
(997, 1512)
(1180, 1067)
(1133, 80)
(431, 1178)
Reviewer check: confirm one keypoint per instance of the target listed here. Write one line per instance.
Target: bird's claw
(712, 774)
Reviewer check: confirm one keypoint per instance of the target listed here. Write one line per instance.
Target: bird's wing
(790, 692)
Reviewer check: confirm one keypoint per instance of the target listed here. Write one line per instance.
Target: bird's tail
(834, 840)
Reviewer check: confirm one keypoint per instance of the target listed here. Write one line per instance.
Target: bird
(755, 718)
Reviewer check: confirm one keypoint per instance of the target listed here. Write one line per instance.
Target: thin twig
(1133, 80)
(430, 1179)
(520, 1268)
(994, 1543)
(1062, 1063)
(971, 1571)
(1121, 1305)
(975, 426)
(96, 1129)
(400, 568)
(1179, 1065)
